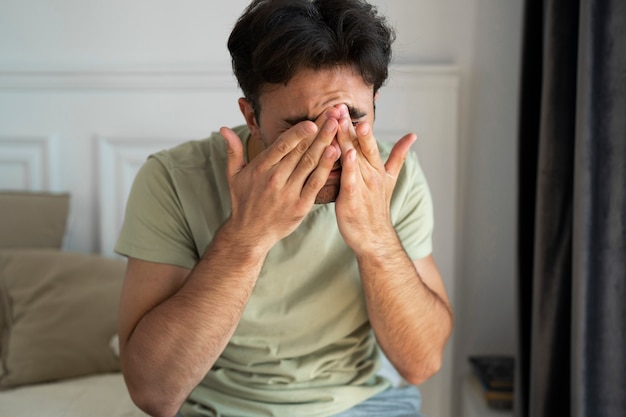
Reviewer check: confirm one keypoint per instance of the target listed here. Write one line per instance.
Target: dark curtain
(572, 210)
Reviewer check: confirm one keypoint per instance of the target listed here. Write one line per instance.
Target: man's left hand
(367, 184)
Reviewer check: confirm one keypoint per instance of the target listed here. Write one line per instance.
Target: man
(267, 264)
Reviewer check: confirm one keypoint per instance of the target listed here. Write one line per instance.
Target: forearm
(175, 344)
(411, 321)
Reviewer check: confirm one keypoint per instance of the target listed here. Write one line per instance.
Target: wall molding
(180, 78)
(29, 163)
(202, 78)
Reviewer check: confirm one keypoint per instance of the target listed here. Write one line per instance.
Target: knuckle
(274, 180)
(281, 146)
(349, 189)
(315, 182)
(307, 161)
(302, 147)
(257, 170)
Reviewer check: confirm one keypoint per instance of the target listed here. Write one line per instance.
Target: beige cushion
(33, 219)
(60, 313)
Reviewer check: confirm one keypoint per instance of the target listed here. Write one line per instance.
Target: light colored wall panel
(28, 163)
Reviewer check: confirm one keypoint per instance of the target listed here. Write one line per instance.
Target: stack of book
(496, 375)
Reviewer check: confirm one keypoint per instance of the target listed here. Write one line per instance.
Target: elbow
(154, 399)
(421, 371)
(154, 404)
(149, 388)
(429, 362)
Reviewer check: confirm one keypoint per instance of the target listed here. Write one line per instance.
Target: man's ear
(249, 115)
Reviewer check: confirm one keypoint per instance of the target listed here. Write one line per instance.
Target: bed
(58, 309)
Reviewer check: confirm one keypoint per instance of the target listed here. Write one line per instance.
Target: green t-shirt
(304, 345)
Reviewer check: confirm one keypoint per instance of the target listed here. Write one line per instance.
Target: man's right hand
(272, 193)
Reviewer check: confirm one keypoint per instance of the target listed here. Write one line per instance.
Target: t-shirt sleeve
(155, 227)
(412, 209)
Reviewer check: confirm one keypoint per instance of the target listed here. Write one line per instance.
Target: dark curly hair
(273, 39)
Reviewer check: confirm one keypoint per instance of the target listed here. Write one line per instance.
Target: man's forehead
(308, 94)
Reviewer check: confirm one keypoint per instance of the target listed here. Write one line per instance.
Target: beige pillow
(60, 313)
(30, 219)
(33, 219)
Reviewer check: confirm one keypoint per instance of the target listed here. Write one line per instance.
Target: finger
(398, 154)
(318, 177)
(330, 113)
(234, 152)
(311, 158)
(297, 138)
(367, 144)
(346, 138)
(348, 174)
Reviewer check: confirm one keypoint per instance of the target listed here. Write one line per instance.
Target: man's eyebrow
(294, 121)
(353, 111)
(356, 113)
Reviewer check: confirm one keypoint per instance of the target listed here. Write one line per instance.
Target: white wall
(480, 37)
(486, 287)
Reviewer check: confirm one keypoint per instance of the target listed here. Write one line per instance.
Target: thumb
(234, 152)
(398, 154)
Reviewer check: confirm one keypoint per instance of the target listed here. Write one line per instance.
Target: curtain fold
(572, 210)
(599, 248)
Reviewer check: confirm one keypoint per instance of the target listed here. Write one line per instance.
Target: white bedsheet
(102, 395)
(93, 396)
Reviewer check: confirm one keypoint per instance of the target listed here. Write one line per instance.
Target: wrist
(378, 245)
(235, 242)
